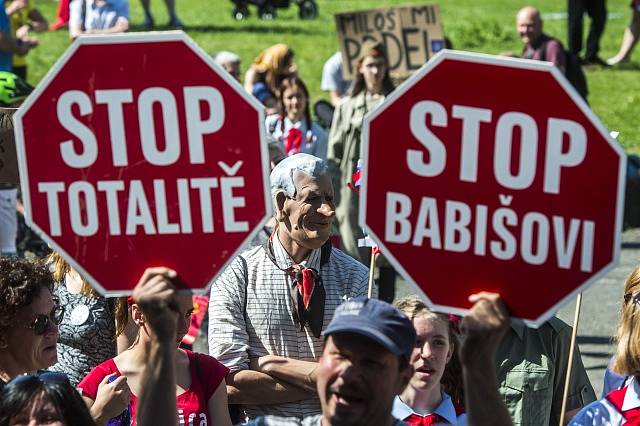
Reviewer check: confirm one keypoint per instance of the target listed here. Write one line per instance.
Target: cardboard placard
(8, 159)
(411, 35)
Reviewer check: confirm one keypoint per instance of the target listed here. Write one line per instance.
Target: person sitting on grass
(98, 17)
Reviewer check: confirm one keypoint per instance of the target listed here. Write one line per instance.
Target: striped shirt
(269, 328)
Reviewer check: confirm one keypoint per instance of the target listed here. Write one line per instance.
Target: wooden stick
(565, 394)
(372, 268)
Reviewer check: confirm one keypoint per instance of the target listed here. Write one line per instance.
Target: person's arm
(15, 6)
(250, 79)
(483, 328)
(296, 372)
(76, 18)
(121, 26)
(254, 387)
(218, 407)
(38, 21)
(15, 46)
(111, 400)
(155, 293)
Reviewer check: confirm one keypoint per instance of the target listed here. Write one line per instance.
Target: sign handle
(372, 267)
(574, 334)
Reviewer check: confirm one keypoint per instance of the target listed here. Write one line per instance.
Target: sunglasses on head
(41, 322)
(51, 377)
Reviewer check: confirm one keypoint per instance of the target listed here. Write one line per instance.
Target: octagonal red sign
(137, 150)
(491, 173)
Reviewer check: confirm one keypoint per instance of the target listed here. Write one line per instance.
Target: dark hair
(375, 50)
(21, 281)
(288, 83)
(65, 398)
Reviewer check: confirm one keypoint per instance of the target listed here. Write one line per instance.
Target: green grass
(481, 26)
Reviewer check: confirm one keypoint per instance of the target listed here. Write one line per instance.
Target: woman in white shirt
(293, 127)
(424, 400)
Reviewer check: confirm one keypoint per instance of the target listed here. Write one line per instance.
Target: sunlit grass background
(481, 26)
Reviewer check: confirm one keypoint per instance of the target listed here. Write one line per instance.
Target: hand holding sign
(141, 147)
(493, 190)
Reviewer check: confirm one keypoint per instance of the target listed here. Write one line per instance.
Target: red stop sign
(136, 151)
(488, 173)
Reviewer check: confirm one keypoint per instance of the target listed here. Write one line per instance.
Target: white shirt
(446, 410)
(98, 18)
(314, 140)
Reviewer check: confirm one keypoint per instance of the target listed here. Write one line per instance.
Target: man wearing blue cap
(364, 364)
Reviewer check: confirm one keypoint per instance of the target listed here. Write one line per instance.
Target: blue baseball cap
(376, 320)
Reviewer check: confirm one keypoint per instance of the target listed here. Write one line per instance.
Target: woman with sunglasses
(44, 399)
(29, 318)
(200, 379)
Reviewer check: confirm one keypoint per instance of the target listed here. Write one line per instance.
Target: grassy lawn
(481, 26)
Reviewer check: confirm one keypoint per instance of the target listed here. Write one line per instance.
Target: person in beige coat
(371, 84)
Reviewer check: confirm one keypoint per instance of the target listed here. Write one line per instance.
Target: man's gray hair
(282, 174)
(225, 57)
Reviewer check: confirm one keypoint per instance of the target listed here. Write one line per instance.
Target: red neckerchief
(293, 141)
(616, 398)
(428, 420)
(307, 292)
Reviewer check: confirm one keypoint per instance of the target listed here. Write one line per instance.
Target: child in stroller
(307, 9)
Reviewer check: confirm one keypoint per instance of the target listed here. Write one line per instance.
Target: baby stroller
(307, 9)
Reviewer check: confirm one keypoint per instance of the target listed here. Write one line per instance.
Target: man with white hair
(230, 62)
(268, 309)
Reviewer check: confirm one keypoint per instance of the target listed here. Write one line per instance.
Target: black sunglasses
(41, 322)
(52, 377)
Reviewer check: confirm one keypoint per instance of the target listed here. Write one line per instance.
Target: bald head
(529, 25)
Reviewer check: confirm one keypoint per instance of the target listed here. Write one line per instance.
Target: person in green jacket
(371, 84)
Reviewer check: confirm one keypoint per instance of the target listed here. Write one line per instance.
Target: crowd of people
(294, 333)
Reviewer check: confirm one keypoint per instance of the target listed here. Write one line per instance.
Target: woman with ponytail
(621, 406)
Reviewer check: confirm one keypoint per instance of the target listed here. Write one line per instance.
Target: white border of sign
(511, 63)
(150, 37)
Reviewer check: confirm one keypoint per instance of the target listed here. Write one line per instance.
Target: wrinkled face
(373, 70)
(308, 216)
(432, 351)
(357, 380)
(30, 351)
(529, 26)
(40, 411)
(295, 103)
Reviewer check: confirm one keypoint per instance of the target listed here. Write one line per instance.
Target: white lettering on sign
(147, 212)
(82, 151)
(464, 228)
(565, 143)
